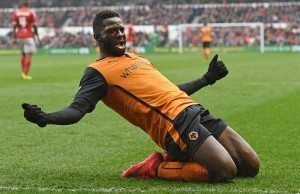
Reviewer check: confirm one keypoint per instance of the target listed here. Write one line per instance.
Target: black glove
(216, 70)
(34, 114)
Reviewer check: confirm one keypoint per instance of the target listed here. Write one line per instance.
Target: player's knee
(249, 163)
(229, 171)
(224, 172)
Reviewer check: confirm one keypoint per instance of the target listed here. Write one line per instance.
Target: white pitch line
(120, 189)
(267, 83)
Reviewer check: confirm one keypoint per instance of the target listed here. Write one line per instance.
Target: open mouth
(120, 45)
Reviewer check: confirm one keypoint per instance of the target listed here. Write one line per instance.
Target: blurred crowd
(237, 36)
(157, 14)
(57, 14)
(61, 39)
(88, 3)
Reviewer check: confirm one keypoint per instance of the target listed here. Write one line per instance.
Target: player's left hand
(34, 114)
(38, 41)
(216, 70)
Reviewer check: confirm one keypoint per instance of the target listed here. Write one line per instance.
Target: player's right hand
(38, 41)
(34, 114)
(216, 70)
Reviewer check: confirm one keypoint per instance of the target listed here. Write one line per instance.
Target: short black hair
(26, 3)
(102, 15)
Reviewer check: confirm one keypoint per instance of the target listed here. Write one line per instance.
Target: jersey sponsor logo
(128, 70)
(193, 135)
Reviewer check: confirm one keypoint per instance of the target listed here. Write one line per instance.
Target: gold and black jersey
(142, 95)
(206, 34)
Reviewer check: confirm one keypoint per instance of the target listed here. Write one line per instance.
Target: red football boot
(145, 169)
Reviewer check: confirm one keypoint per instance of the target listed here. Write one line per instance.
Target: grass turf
(259, 99)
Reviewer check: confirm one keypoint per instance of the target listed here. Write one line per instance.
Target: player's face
(113, 36)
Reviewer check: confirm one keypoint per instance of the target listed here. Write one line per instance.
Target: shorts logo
(193, 135)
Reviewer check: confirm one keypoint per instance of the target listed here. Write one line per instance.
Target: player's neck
(102, 55)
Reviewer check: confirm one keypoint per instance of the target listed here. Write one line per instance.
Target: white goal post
(253, 25)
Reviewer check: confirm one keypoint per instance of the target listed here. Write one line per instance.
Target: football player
(25, 30)
(199, 147)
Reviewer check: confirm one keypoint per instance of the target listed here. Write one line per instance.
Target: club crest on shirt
(193, 135)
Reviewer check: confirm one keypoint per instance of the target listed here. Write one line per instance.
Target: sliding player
(199, 146)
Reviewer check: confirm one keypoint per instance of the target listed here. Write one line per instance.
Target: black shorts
(194, 124)
(206, 44)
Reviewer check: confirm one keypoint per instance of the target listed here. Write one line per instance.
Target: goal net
(226, 35)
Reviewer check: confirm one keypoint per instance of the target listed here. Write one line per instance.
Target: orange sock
(183, 171)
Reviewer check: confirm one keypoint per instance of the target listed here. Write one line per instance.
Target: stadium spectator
(204, 148)
(93, 3)
(5, 42)
(206, 36)
(25, 30)
(191, 13)
(131, 37)
(55, 14)
(61, 39)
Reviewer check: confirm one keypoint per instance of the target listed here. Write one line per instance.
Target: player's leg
(217, 166)
(23, 63)
(245, 158)
(23, 57)
(207, 159)
(215, 158)
(206, 50)
(27, 63)
(210, 163)
(183, 171)
(29, 48)
(207, 53)
(157, 166)
(203, 50)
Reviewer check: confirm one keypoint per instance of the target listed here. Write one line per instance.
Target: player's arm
(35, 28)
(216, 70)
(14, 30)
(36, 33)
(93, 87)
(14, 34)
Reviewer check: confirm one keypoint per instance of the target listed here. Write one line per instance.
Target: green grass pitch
(260, 99)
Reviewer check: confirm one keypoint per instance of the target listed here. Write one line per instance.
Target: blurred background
(65, 26)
